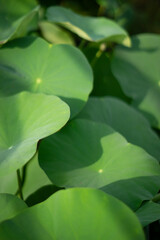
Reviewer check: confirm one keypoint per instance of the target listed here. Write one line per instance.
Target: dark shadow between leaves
(41, 194)
(23, 42)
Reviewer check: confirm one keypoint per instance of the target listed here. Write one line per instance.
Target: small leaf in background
(55, 34)
(15, 17)
(88, 28)
(25, 118)
(75, 214)
(138, 72)
(10, 206)
(60, 70)
(93, 155)
(125, 120)
(148, 213)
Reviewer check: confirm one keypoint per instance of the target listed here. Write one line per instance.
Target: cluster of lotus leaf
(78, 125)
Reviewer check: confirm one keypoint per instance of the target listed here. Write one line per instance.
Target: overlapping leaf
(93, 155)
(104, 81)
(148, 213)
(137, 70)
(14, 17)
(25, 118)
(55, 34)
(75, 214)
(10, 206)
(35, 177)
(39, 67)
(124, 119)
(134, 191)
(89, 28)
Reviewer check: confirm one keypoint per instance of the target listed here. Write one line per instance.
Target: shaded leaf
(125, 120)
(134, 191)
(137, 70)
(93, 155)
(148, 213)
(104, 81)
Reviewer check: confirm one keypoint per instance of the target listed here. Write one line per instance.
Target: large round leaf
(14, 17)
(75, 214)
(10, 206)
(137, 70)
(124, 119)
(24, 119)
(59, 70)
(93, 155)
(89, 28)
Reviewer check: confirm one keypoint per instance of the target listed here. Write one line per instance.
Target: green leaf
(41, 194)
(51, 69)
(9, 183)
(148, 213)
(55, 34)
(134, 191)
(104, 81)
(137, 70)
(93, 155)
(10, 206)
(80, 214)
(15, 16)
(125, 120)
(25, 118)
(35, 177)
(89, 28)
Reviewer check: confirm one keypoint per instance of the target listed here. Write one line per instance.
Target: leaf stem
(98, 54)
(101, 11)
(19, 184)
(82, 44)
